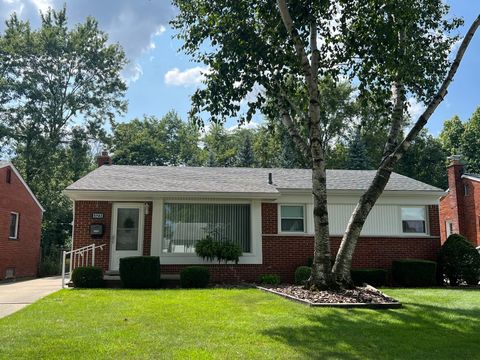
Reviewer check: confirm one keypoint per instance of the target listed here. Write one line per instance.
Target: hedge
(139, 272)
(374, 277)
(194, 277)
(302, 274)
(87, 277)
(270, 279)
(414, 272)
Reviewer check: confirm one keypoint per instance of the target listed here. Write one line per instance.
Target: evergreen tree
(245, 156)
(357, 158)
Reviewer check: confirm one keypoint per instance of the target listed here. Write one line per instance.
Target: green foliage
(451, 136)
(357, 158)
(70, 85)
(49, 266)
(414, 272)
(245, 155)
(459, 261)
(153, 141)
(270, 279)
(140, 271)
(302, 274)
(194, 277)
(211, 249)
(87, 277)
(374, 277)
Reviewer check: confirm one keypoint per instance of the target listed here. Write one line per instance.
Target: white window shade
(414, 220)
(292, 218)
(186, 223)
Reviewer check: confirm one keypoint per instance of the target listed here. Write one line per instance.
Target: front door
(127, 232)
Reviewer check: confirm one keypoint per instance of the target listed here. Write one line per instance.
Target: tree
(220, 147)
(392, 48)
(153, 141)
(245, 154)
(357, 153)
(452, 135)
(58, 86)
(470, 142)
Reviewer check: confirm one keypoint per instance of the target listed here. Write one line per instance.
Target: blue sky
(161, 79)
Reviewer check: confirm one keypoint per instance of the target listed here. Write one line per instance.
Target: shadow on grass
(416, 331)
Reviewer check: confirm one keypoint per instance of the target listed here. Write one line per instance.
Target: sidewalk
(15, 296)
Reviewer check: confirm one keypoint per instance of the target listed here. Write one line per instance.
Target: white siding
(383, 220)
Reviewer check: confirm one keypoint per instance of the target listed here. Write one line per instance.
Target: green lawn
(229, 324)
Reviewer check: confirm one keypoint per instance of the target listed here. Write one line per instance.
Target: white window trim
(16, 225)
(427, 221)
(448, 225)
(279, 221)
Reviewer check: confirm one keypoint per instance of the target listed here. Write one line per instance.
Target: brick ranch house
(20, 225)
(163, 211)
(460, 205)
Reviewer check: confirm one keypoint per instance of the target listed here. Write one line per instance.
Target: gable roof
(3, 164)
(230, 180)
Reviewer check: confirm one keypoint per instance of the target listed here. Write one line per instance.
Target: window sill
(13, 238)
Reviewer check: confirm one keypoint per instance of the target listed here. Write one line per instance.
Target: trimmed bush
(87, 277)
(302, 274)
(270, 279)
(194, 277)
(140, 272)
(414, 272)
(459, 261)
(374, 277)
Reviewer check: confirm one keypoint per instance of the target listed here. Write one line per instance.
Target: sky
(160, 78)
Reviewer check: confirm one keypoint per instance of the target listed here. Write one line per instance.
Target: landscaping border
(375, 306)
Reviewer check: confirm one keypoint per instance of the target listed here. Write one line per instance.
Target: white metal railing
(84, 256)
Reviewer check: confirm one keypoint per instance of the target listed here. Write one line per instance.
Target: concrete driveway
(16, 295)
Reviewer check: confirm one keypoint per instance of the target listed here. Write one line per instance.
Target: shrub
(459, 261)
(374, 277)
(87, 277)
(210, 249)
(194, 277)
(140, 271)
(414, 272)
(207, 248)
(309, 261)
(302, 274)
(270, 279)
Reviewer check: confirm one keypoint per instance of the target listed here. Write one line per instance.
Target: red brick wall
(463, 210)
(83, 219)
(269, 218)
(23, 254)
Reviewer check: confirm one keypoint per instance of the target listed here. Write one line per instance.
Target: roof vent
(270, 178)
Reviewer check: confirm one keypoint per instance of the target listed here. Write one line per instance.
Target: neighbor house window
(8, 176)
(414, 220)
(13, 229)
(292, 218)
(185, 223)
(449, 227)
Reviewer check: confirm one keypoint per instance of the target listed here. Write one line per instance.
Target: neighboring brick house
(153, 210)
(20, 225)
(460, 205)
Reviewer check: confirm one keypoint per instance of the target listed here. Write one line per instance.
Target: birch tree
(393, 49)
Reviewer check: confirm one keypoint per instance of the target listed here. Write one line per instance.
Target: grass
(221, 324)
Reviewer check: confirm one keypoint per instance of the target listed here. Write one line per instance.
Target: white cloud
(192, 76)
(252, 125)
(133, 24)
(415, 108)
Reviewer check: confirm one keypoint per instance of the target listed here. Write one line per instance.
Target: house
(460, 205)
(20, 225)
(163, 211)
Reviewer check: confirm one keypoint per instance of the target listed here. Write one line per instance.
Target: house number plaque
(97, 215)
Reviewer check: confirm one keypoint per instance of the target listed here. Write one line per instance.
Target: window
(449, 227)
(292, 218)
(186, 223)
(414, 220)
(8, 176)
(465, 190)
(13, 230)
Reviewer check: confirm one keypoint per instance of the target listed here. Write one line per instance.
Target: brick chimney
(104, 159)
(455, 169)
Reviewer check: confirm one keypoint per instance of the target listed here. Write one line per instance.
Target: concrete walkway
(16, 295)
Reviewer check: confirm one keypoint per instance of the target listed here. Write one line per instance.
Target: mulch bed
(361, 297)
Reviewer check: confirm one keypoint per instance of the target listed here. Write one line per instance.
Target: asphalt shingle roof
(230, 180)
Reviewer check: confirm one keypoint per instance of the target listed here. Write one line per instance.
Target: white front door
(127, 232)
